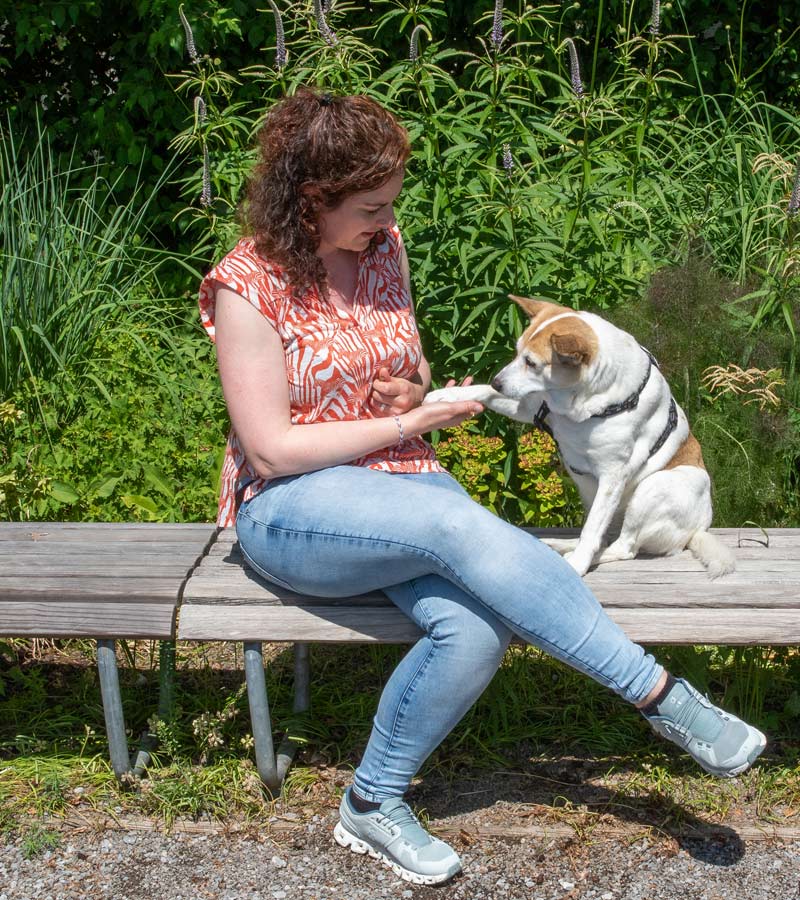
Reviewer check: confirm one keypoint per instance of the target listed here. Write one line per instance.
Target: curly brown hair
(315, 150)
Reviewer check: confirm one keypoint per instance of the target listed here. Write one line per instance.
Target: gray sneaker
(393, 834)
(722, 744)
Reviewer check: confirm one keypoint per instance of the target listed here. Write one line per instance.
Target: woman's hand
(393, 396)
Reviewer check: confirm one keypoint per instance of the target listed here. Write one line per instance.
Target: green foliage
(38, 840)
(518, 477)
(148, 448)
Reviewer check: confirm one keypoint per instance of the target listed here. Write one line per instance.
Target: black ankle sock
(652, 707)
(359, 804)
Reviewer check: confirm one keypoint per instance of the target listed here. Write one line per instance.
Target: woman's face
(352, 224)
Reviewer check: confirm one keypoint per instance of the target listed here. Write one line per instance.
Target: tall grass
(72, 257)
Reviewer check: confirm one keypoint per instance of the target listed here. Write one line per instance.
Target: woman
(334, 491)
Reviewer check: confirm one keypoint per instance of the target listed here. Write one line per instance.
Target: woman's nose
(386, 217)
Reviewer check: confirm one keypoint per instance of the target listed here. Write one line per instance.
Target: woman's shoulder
(247, 273)
(244, 262)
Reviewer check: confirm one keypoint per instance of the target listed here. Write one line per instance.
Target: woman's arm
(253, 374)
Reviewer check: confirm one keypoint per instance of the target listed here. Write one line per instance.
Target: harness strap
(633, 401)
(672, 424)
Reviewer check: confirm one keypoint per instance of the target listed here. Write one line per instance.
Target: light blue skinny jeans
(468, 579)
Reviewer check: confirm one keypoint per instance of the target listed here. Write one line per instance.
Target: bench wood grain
(100, 580)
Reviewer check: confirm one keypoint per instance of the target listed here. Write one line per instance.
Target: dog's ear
(570, 349)
(532, 306)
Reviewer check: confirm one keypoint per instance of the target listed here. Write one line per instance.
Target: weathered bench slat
(127, 569)
(49, 589)
(104, 532)
(109, 618)
(388, 625)
(143, 551)
(69, 579)
(768, 590)
(675, 570)
(747, 543)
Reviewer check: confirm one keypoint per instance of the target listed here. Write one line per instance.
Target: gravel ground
(303, 863)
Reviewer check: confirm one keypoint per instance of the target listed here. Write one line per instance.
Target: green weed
(38, 840)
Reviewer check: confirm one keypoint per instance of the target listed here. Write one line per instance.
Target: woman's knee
(457, 623)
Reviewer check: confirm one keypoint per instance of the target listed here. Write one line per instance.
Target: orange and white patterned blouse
(332, 358)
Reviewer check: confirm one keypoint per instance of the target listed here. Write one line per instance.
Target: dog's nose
(497, 384)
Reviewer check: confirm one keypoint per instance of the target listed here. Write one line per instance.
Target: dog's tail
(712, 553)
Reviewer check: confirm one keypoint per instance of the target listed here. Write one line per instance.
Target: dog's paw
(578, 562)
(446, 395)
(458, 393)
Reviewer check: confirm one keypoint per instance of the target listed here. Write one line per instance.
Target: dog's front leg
(610, 488)
(488, 396)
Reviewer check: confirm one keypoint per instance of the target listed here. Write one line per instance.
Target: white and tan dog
(620, 434)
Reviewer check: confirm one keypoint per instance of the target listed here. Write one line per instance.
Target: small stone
(567, 885)
(278, 862)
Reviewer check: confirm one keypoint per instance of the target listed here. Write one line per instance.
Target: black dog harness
(539, 420)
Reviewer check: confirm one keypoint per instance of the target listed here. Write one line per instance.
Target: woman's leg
(348, 530)
(433, 686)
(468, 579)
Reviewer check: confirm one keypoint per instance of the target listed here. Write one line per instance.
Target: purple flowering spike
(191, 49)
(508, 159)
(280, 40)
(655, 17)
(413, 46)
(794, 199)
(574, 69)
(324, 29)
(497, 25)
(200, 111)
(205, 193)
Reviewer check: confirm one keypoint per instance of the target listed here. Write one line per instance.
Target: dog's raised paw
(446, 395)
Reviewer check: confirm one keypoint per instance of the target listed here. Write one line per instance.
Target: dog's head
(553, 353)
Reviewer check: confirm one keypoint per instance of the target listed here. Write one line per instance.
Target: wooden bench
(102, 581)
(109, 581)
(656, 600)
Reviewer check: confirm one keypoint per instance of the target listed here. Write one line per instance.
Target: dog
(620, 434)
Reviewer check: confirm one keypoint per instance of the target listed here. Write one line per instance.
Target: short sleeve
(246, 273)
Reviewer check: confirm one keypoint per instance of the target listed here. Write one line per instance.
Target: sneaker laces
(401, 816)
(687, 713)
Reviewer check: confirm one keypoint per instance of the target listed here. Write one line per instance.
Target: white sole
(345, 839)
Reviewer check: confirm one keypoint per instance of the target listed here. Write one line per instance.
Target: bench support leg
(272, 768)
(166, 706)
(112, 707)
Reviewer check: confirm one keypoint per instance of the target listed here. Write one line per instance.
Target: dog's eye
(531, 364)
